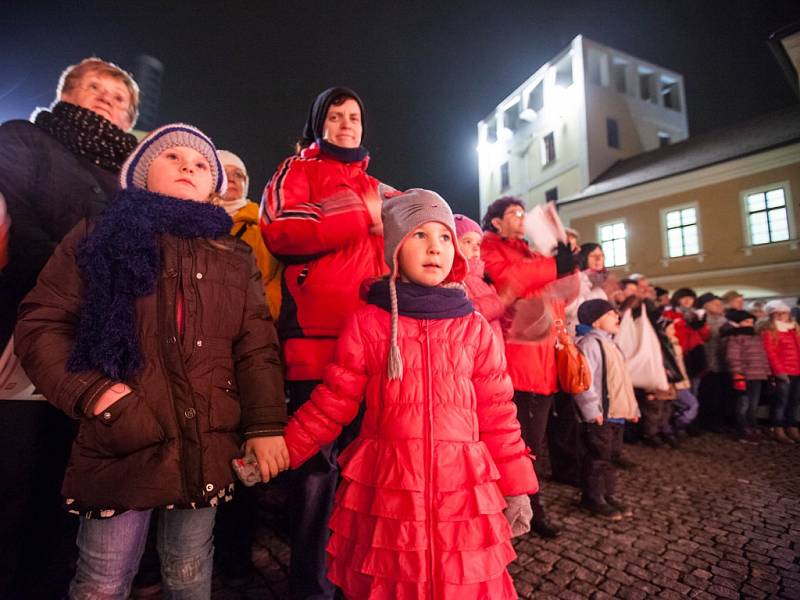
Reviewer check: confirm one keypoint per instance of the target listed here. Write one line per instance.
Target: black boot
(540, 523)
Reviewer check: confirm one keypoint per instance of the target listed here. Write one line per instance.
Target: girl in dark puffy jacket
(438, 480)
(149, 326)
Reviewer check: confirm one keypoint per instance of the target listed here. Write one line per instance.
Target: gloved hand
(565, 260)
(519, 514)
(739, 382)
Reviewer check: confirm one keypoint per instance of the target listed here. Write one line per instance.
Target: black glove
(565, 260)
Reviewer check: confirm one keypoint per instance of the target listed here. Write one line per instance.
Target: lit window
(548, 149)
(612, 133)
(612, 239)
(505, 177)
(683, 237)
(767, 217)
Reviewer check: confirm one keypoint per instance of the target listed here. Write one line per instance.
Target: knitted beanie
(134, 171)
(401, 214)
(704, 299)
(229, 159)
(737, 316)
(466, 225)
(776, 306)
(591, 310)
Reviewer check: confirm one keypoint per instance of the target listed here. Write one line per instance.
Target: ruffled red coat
(419, 513)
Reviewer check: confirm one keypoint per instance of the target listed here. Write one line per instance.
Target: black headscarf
(315, 124)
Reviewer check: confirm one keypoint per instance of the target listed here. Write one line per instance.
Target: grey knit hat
(401, 214)
(134, 171)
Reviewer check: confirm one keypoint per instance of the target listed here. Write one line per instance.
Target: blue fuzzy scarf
(120, 261)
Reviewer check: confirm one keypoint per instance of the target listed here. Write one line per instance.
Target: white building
(576, 116)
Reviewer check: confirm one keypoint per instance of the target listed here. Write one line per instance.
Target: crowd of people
(167, 345)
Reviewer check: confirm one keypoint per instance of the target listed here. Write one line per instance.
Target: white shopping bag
(14, 383)
(639, 342)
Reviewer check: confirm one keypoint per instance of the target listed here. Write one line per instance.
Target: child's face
(781, 316)
(608, 322)
(427, 254)
(686, 301)
(181, 172)
(470, 245)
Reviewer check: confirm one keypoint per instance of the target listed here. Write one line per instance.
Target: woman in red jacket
(320, 216)
(520, 273)
(781, 338)
(420, 512)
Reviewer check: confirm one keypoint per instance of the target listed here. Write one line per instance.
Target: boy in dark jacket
(749, 367)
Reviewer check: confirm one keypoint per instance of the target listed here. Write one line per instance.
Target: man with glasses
(520, 273)
(55, 169)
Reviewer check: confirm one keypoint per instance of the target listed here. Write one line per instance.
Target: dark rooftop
(762, 133)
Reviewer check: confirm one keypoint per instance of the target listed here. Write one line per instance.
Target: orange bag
(574, 375)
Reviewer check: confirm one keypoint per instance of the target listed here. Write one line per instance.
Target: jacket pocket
(224, 410)
(125, 427)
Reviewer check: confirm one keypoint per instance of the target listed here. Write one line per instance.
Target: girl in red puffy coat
(437, 482)
(781, 337)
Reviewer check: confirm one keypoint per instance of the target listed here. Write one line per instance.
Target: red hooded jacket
(314, 218)
(510, 263)
(419, 513)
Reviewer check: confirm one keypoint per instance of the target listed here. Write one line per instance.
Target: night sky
(427, 71)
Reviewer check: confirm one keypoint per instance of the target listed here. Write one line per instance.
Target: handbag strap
(604, 384)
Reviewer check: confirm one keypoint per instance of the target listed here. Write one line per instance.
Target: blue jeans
(785, 403)
(110, 550)
(747, 406)
(684, 409)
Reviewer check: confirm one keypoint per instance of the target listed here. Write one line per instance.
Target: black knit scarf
(87, 134)
(421, 301)
(120, 261)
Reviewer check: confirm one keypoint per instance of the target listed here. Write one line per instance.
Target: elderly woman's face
(105, 95)
(236, 181)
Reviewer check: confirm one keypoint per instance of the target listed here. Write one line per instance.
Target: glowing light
(490, 154)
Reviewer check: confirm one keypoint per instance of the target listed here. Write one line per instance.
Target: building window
(564, 77)
(620, 71)
(491, 131)
(612, 133)
(505, 178)
(663, 139)
(683, 237)
(646, 85)
(670, 93)
(511, 117)
(536, 97)
(767, 216)
(548, 149)
(613, 238)
(598, 68)
(551, 195)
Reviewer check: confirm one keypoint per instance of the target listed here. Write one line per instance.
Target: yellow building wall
(722, 238)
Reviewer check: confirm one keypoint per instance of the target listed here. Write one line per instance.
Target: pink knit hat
(466, 225)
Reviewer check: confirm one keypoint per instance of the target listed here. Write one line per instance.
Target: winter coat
(691, 332)
(485, 298)
(715, 351)
(783, 350)
(512, 265)
(172, 439)
(47, 190)
(245, 227)
(745, 353)
(315, 220)
(419, 513)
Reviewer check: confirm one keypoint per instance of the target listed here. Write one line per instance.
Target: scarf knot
(120, 261)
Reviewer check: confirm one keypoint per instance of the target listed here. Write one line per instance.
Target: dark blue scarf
(421, 301)
(120, 261)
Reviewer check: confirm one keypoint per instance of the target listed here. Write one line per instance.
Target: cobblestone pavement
(714, 519)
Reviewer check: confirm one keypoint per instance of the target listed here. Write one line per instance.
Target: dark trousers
(785, 403)
(235, 527)
(311, 492)
(533, 413)
(713, 395)
(600, 443)
(655, 415)
(747, 406)
(37, 536)
(563, 437)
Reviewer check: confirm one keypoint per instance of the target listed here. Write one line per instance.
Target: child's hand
(519, 514)
(271, 454)
(110, 396)
(599, 419)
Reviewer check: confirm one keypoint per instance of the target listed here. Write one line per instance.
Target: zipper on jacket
(196, 319)
(429, 457)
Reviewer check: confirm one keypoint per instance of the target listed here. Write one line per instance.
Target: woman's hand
(110, 396)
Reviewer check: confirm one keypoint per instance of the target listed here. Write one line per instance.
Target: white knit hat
(776, 306)
(134, 171)
(229, 159)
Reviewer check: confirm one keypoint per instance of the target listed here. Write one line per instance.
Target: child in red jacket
(781, 338)
(482, 293)
(438, 480)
